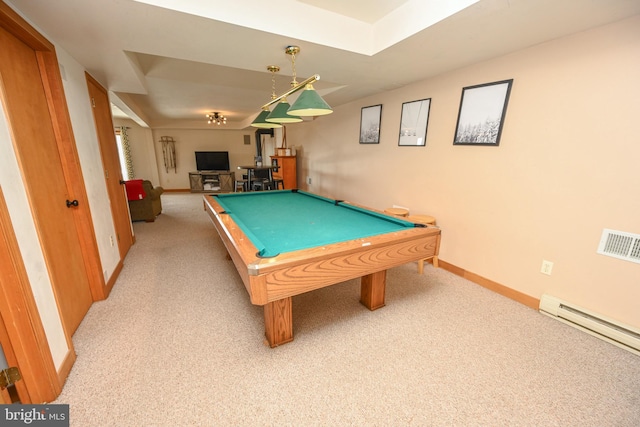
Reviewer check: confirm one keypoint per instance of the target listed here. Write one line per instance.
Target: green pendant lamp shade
(309, 103)
(280, 115)
(260, 121)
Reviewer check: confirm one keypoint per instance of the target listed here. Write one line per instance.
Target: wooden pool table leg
(278, 322)
(372, 288)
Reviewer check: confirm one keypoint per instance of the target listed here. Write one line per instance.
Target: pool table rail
(239, 248)
(306, 270)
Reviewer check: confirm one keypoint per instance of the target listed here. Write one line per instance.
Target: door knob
(72, 203)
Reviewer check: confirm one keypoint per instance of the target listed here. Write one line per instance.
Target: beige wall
(565, 169)
(188, 141)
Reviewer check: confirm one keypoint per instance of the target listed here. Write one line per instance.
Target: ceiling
(167, 63)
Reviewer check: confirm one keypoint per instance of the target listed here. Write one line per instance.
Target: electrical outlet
(111, 240)
(546, 268)
(309, 180)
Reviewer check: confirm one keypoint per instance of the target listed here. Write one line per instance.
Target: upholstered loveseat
(144, 200)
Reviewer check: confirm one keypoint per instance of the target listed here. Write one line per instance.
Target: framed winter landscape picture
(481, 115)
(414, 119)
(370, 124)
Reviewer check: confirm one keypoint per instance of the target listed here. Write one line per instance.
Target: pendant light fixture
(260, 121)
(279, 113)
(309, 103)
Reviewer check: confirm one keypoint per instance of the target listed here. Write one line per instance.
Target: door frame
(25, 336)
(106, 135)
(18, 311)
(61, 122)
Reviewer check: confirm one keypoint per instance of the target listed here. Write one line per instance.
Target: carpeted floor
(179, 344)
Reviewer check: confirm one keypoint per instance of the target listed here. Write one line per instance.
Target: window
(122, 141)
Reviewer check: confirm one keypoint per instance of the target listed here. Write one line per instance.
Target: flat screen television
(212, 160)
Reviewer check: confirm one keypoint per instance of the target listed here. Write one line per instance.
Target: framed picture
(413, 123)
(370, 124)
(481, 115)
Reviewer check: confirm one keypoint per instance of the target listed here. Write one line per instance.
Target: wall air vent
(619, 244)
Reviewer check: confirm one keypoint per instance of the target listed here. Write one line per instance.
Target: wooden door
(111, 162)
(31, 126)
(22, 334)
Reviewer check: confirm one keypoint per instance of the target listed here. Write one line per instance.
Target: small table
(287, 242)
(397, 211)
(429, 220)
(251, 169)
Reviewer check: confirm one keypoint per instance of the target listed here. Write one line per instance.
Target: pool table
(287, 242)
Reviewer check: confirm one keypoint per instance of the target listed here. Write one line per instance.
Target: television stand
(212, 181)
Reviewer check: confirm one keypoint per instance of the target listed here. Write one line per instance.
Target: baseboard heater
(597, 325)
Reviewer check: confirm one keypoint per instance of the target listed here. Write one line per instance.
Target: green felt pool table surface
(287, 220)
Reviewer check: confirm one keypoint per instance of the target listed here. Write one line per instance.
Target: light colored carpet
(179, 344)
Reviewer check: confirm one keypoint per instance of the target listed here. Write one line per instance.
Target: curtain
(126, 152)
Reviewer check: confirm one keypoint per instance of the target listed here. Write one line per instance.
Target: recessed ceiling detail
(369, 11)
(162, 71)
(359, 26)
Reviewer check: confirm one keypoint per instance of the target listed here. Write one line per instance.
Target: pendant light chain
(294, 82)
(273, 84)
(292, 50)
(273, 69)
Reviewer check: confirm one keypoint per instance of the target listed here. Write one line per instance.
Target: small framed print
(481, 115)
(370, 124)
(413, 123)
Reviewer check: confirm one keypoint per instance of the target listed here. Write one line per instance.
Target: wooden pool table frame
(272, 282)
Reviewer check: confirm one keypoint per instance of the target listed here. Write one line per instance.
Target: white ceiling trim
(368, 11)
(411, 18)
(327, 28)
